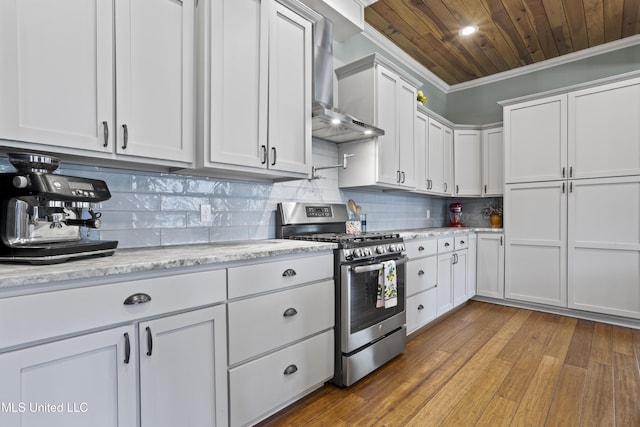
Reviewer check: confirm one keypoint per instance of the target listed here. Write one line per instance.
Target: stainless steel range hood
(330, 123)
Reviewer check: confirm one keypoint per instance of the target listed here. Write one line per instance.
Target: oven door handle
(375, 267)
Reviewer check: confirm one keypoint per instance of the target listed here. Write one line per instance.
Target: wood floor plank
(580, 347)
(626, 390)
(560, 341)
(498, 413)
(598, 400)
(566, 406)
(602, 344)
(536, 400)
(622, 340)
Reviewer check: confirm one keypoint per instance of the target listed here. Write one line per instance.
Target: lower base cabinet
(421, 309)
(490, 268)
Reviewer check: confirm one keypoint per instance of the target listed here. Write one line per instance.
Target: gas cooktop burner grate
(347, 238)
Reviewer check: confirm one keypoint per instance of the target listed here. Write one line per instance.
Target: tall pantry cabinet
(572, 169)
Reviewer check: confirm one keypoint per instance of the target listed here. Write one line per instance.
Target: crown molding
(402, 57)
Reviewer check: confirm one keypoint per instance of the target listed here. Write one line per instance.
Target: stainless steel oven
(366, 336)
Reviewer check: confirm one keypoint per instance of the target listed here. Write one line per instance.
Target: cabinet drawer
(461, 242)
(260, 324)
(52, 314)
(422, 274)
(445, 244)
(421, 247)
(421, 309)
(260, 387)
(269, 276)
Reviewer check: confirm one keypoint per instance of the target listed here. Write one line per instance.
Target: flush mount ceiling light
(335, 121)
(467, 31)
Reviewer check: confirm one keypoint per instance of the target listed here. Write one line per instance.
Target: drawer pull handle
(421, 307)
(421, 248)
(149, 341)
(125, 131)
(290, 312)
(291, 369)
(105, 133)
(137, 299)
(127, 348)
(420, 272)
(462, 242)
(289, 272)
(446, 244)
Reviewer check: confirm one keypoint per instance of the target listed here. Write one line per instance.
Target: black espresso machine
(43, 215)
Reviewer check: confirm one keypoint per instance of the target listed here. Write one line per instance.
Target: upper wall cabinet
(433, 156)
(492, 162)
(254, 88)
(100, 79)
(467, 160)
(375, 91)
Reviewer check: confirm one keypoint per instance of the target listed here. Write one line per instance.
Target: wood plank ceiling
(511, 33)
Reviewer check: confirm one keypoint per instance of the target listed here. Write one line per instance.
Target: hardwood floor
(491, 365)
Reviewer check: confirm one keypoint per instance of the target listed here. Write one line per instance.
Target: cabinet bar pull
(563, 188)
(149, 341)
(290, 312)
(125, 137)
(290, 369)
(571, 187)
(420, 272)
(403, 177)
(570, 171)
(563, 172)
(137, 299)
(457, 188)
(264, 154)
(275, 156)
(421, 307)
(501, 240)
(445, 187)
(485, 189)
(127, 348)
(105, 130)
(289, 272)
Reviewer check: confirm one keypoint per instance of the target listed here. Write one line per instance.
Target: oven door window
(363, 295)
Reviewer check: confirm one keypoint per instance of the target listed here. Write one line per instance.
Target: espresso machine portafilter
(43, 215)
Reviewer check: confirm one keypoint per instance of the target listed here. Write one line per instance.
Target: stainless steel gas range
(366, 336)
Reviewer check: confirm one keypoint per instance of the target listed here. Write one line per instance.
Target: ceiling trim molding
(379, 39)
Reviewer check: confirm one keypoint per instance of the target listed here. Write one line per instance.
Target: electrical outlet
(205, 213)
(428, 213)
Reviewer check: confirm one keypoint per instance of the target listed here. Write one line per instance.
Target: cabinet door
(406, 130)
(290, 57)
(604, 246)
(56, 77)
(155, 78)
(536, 242)
(445, 283)
(82, 381)
(421, 309)
(447, 157)
(604, 130)
(422, 274)
(490, 265)
(183, 369)
(238, 86)
(535, 135)
(436, 157)
(467, 158)
(472, 265)
(492, 162)
(421, 144)
(460, 276)
(387, 119)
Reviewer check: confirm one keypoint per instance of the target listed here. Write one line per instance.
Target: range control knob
(357, 253)
(393, 248)
(380, 249)
(20, 181)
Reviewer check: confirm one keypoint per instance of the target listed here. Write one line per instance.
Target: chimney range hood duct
(329, 123)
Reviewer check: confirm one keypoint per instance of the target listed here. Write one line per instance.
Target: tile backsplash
(155, 209)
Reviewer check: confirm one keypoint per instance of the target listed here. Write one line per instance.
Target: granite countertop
(125, 261)
(444, 231)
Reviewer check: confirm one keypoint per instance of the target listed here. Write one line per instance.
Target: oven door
(360, 321)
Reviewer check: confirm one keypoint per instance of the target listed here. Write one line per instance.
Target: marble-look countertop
(445, 231)
(125, 261)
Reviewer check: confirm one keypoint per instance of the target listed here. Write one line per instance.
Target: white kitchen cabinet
(490, 265)
(433, 156)
(254, 97)
(452, 272)
(467, 160)
(100, 79)
(80, 381)
(536, 242)
(604, 246)
(164, 368)
(604, 130)
(376, 92)
(422, 281)
(182, 369)
(535, 134)
(492, 162)
(472, 265)
(281, 338)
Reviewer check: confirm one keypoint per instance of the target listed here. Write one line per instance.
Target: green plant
(492, 208)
